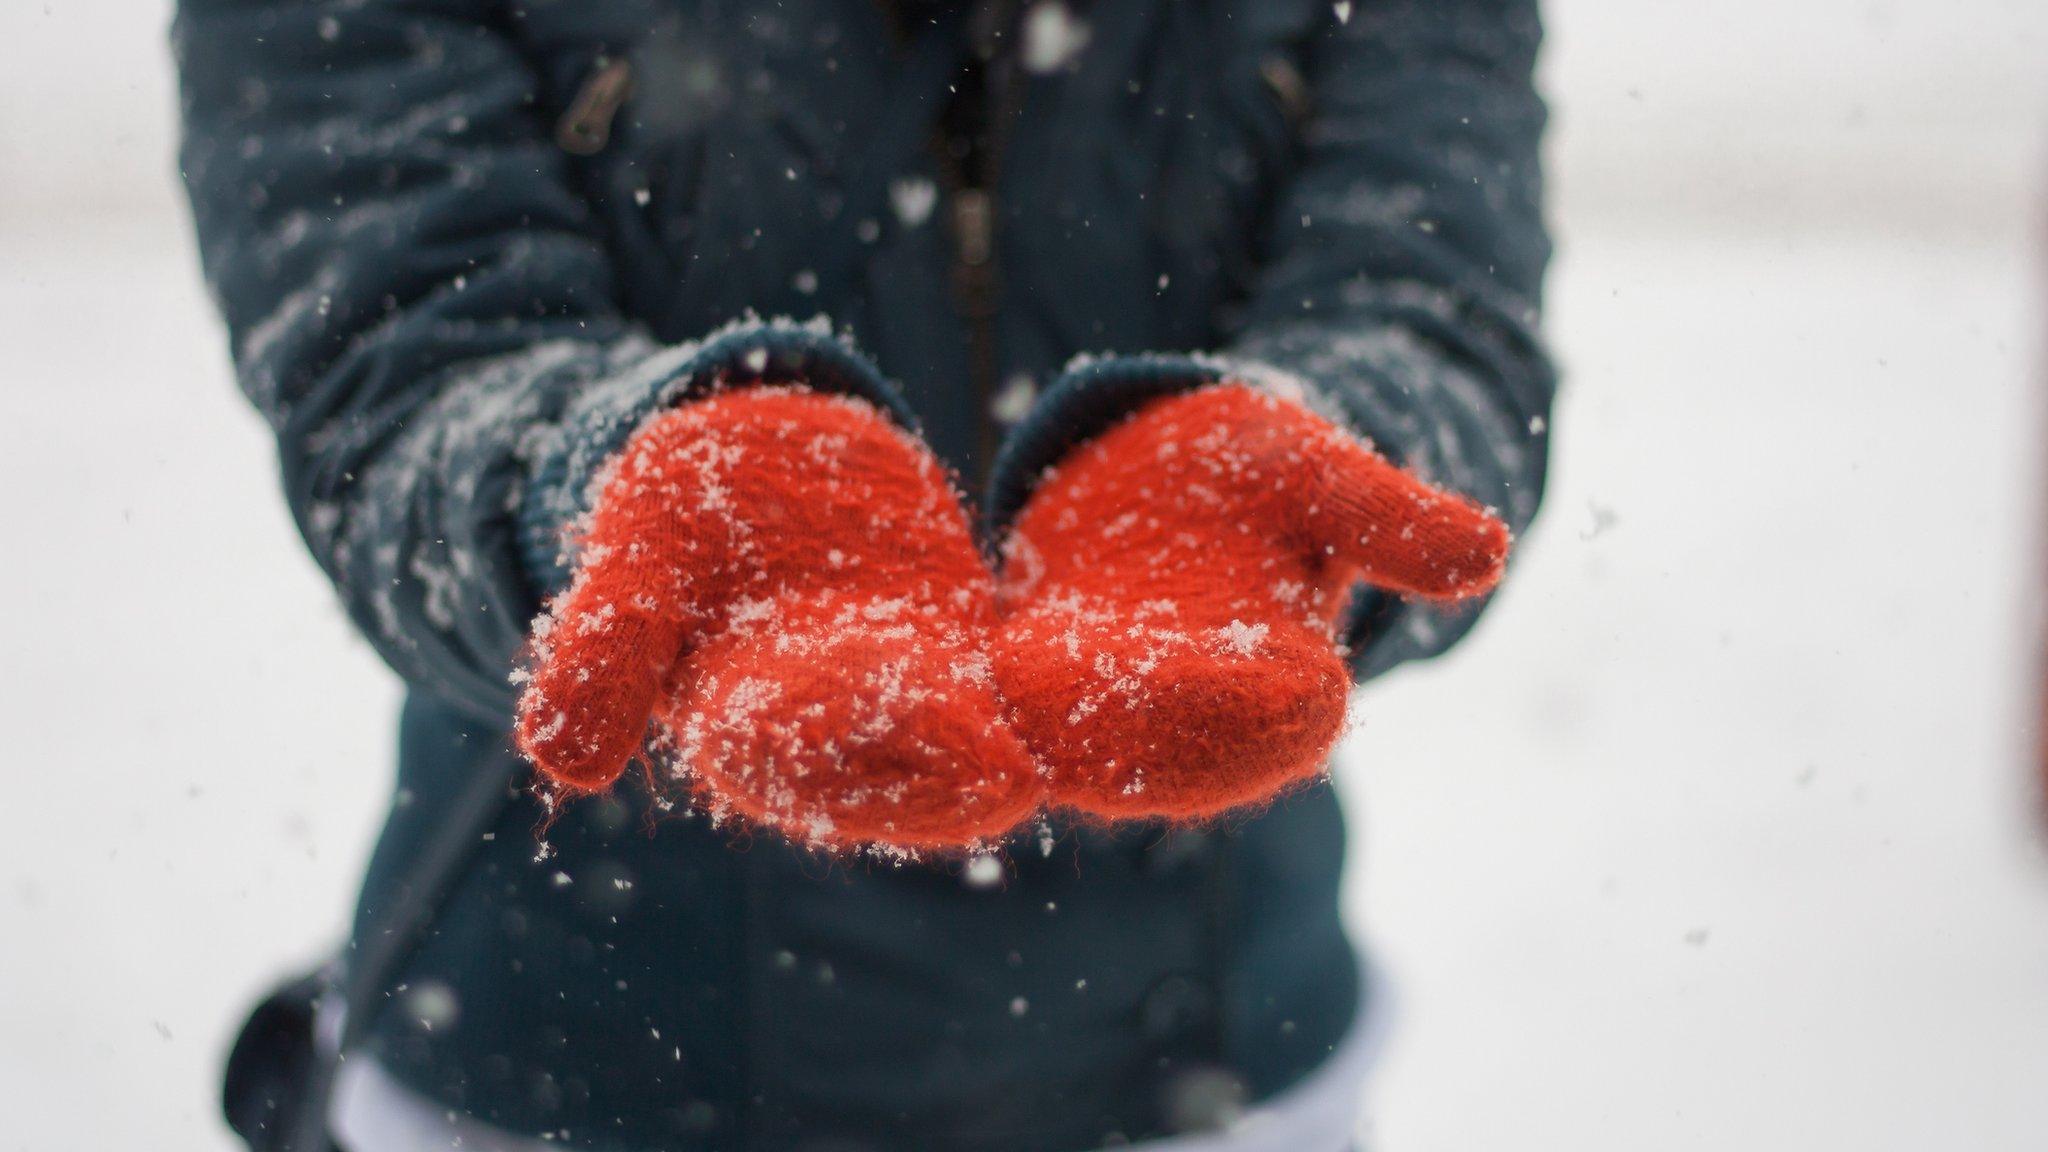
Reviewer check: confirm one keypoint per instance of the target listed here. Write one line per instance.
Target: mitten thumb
(1394, 530)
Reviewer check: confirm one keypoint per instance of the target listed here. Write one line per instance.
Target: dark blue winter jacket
(463, 246)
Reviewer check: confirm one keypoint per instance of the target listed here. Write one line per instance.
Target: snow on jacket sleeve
(1401, 280)
(421, 307)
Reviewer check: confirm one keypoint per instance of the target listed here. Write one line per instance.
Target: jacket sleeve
(421, 307)
(1401, 282)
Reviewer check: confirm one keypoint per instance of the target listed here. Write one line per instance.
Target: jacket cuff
(568, 459)
(1093, 395)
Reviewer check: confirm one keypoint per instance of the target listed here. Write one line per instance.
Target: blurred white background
(1715, 837)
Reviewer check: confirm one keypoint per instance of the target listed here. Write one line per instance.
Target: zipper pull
(1288, 86)
(586, 127)
(974, 222)
(974, 226)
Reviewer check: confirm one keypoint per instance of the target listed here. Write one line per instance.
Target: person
(525, 291)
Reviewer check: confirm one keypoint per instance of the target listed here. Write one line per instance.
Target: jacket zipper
(977, 290)
(977, 274)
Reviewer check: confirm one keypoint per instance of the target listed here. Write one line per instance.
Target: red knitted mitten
(786, 585)
(1170, 590)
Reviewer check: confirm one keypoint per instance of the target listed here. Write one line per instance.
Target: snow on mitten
(1171, 589)
(785, 584)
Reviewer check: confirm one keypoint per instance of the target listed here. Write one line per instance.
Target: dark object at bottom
(274, 1090)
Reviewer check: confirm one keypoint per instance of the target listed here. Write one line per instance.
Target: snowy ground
(1713, 838)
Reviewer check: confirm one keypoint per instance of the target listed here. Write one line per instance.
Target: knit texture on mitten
(1169, 594)
(784, 586)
